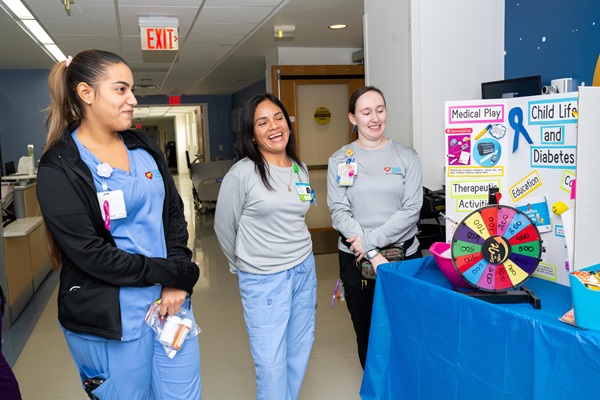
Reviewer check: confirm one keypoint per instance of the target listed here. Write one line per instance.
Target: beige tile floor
(45, 371)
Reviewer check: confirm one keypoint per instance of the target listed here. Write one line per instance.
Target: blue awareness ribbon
(515, 119)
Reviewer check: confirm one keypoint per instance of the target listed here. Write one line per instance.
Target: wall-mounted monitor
(518, 87)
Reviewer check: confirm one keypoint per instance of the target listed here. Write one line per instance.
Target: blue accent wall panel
(239, 98)
(552, 38)
(24, 97)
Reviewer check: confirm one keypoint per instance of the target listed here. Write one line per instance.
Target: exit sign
(174, 100)
(160, 38)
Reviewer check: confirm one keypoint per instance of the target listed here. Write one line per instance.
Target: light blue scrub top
(141, 232)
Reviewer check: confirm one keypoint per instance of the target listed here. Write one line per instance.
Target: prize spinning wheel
(496, 248)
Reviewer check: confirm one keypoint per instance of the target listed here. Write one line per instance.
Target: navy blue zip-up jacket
(93, 268)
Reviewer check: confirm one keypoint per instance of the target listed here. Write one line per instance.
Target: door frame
(286, 78)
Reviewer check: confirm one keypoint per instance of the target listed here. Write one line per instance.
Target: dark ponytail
(66, 108)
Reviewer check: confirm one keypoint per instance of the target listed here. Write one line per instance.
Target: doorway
(316, 97)
(179, 129)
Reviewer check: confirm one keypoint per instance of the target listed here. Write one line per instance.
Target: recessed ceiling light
(338, 26)
(241, 81)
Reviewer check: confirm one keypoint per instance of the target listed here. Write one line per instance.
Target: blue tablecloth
(430, 342)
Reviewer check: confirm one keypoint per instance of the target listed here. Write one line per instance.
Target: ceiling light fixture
(142, 87)
(23, 17)
(284, 31)
(338, 26)
(67, 4)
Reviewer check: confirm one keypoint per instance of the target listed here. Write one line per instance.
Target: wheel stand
(520, 295)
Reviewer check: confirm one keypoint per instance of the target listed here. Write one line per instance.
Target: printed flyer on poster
(525, 148)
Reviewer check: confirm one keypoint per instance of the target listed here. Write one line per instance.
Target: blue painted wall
(552, 38)
(23, 98)
(239, 98)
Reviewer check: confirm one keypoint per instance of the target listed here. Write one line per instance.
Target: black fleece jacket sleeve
(74, 222)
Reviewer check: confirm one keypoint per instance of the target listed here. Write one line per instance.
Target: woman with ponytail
(117, 233)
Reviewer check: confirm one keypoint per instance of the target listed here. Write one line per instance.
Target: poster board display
(526, 148)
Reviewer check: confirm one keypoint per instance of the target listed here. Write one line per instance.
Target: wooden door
(307, 92)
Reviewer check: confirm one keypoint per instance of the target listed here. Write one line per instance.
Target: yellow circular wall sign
(322, 115)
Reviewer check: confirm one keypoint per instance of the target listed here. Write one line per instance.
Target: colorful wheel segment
(496, 248)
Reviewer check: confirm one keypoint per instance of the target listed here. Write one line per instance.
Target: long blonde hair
(66, 109)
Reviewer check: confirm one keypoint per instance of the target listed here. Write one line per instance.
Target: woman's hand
(377, 260)
(171, 300)
(357, 247)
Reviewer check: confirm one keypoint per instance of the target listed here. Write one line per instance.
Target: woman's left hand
(377, 260)
(357, 247)
(171, 300)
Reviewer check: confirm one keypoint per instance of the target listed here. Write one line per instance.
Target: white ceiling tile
(91, 41)
(217, 15)
(206, 29)
(217, 40)
(244, 3)
(169, 3)
(130, 15)
(81, 28)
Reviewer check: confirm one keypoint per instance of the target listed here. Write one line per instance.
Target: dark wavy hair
(250, 149)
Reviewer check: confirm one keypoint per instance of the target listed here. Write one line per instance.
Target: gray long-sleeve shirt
(384, 203)
(262, 231)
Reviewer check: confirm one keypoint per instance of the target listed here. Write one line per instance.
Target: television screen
(518, 87)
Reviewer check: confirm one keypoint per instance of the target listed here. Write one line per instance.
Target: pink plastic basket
(446, 265)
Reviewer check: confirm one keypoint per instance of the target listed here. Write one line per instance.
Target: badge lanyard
(112, 202)
(304, 190)
(347, 170)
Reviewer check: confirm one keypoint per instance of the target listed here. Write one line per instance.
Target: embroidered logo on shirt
(393, 170)
(148, 175)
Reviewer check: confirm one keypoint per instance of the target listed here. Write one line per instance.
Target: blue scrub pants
(138, 369)
(279, 310)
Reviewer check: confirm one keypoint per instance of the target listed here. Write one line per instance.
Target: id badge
(304, 191)
(347, 173)
(116, 204)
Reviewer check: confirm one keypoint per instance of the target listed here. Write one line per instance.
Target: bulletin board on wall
(526, 149)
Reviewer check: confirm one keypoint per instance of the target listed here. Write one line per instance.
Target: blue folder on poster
(430, 342)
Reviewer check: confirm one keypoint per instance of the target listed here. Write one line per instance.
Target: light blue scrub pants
(279, 310)
(138, 369)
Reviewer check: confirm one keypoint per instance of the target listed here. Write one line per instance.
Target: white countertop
(22, 226)
(22, 178)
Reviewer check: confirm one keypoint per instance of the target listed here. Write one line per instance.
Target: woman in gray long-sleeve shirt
(260, 224)
(374, 194)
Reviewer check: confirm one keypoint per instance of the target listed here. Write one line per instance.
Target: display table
(430, 342)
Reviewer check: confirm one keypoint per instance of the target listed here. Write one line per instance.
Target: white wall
(181, 133)
(305, 56)
(422, 53)
(314, 56)
(387, 61)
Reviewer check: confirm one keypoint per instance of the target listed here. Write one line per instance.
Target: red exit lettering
(161, 38)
